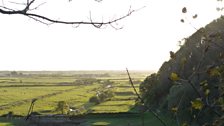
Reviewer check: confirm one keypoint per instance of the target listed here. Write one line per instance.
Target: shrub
(102, 96)
(94, 99)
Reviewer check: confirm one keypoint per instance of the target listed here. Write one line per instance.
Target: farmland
(75, 88)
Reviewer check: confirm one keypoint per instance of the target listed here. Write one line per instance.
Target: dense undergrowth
(190, 86)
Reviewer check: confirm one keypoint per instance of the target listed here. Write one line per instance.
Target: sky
(143, 43)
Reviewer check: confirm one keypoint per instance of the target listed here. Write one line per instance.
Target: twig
(132, 84)
(17, 3)
(95, 25)
(178, 123)
(37, 6)
(39, 20)
(142, 101)
(190, 23)
(6, 8)
(28, 5)
(31, 108)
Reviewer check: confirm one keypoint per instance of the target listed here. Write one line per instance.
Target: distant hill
(199, 66)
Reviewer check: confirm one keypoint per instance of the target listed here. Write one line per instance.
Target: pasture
(75, 88)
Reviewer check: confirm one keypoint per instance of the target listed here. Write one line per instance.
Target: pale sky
(143, 44)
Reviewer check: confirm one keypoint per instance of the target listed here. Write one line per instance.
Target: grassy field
(18, 90)
(75, 88)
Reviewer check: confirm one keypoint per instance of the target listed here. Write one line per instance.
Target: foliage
(94, 99)
(197, 104)
(86, 81)
(191, 82)
(149, 88)
(179, 96)
(174, 77)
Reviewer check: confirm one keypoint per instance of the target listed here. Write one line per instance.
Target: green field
(75, 88)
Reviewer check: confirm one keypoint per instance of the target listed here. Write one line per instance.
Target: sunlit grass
(12, 94)
(113, 106)
(35, 86)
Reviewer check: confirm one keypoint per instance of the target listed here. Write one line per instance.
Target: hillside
(190, 85)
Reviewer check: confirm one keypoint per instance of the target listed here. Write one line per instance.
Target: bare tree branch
(142, 101)
(28, 5)
(132, 84)
(43, 19)
(39, 20)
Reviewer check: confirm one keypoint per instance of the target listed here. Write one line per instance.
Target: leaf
(183, 61)
(185, 124)
(174, 109)
(197, 104)
(182, 20)
(184, 10)
(195, 16)
(207, 91)
(221, 100)
(204, 84)
(213, 72)
(174, 77)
